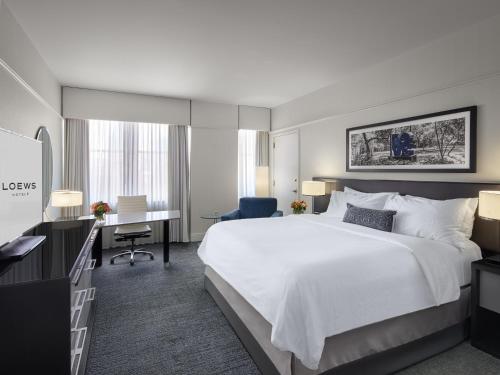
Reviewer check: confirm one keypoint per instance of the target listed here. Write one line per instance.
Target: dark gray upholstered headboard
(486, 232)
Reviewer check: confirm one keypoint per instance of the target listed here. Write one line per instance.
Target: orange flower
(100, 208)
(299, 205)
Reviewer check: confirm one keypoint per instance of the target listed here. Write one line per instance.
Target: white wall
(214, 162)
(461, 69)
(254, 118)
(213, 115)
(17, 51)
(29, 93)
(107, 105)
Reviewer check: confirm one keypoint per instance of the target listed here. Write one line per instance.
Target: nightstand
(485, 321)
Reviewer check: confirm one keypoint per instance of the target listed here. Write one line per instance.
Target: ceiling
(253, 52)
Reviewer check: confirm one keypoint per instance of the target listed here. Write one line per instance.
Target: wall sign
(20, 184)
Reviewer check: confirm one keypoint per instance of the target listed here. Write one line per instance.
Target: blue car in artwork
(402, 146)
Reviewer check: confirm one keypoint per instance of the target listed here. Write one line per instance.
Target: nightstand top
(491, 264)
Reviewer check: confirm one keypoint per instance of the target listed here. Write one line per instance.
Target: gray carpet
(155, 321)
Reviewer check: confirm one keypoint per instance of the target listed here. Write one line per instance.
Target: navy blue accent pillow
(368, 217)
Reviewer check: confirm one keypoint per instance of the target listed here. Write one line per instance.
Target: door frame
(274, 135)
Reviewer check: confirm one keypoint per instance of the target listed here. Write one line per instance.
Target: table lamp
(489, 205)
(489, 208)
(313, 189)
(66, 198)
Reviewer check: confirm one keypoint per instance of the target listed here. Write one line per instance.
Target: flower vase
(99, 218)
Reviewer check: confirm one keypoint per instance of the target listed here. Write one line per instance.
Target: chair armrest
(233, 215)
(277, 214)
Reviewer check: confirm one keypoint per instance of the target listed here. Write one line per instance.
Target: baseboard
(196, 237)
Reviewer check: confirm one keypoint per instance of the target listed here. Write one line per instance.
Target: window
(128, 158)
(246, 162)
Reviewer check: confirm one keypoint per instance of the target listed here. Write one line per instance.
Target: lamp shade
(489, 204)
(262, 181)
(66, 198)
(313, 188)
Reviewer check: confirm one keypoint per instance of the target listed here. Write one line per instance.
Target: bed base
(382, 363)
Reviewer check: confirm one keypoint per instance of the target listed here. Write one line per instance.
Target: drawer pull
(76, 309)
(90, 294)
(91, 265)
(75, 318)
(77, 348)
(79, 299)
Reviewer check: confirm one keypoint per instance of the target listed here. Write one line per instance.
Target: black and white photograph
(441, 141)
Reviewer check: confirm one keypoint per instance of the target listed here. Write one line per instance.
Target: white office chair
(130, 232)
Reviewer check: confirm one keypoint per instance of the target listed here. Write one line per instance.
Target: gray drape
(76, 163)
(262, 149)
(178, 181)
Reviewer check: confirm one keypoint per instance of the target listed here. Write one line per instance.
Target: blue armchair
(251, 208)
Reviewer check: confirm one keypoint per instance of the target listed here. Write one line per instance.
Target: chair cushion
(132, 228)
(257, 207)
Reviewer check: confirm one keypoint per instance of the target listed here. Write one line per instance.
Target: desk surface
(111, 220)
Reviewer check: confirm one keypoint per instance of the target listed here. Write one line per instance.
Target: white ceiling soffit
(251, 52)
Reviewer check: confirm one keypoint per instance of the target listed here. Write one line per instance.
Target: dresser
(47, 302)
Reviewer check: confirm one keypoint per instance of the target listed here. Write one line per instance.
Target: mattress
(349, 346)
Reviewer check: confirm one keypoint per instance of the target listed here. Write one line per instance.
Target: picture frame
(443, 142)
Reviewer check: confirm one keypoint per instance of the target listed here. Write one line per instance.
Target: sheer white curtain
(129, 159)
(246, 162)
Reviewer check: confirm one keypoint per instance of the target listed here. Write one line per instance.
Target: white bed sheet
(313, 276)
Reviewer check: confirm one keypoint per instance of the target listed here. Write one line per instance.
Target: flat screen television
(20, 185)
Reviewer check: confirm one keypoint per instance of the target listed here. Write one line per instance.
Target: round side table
(215, 217)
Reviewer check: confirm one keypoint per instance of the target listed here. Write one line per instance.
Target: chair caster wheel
(131, 263)
(152, 257)
(111, 261)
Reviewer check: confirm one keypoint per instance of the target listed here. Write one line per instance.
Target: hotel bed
(311, 294)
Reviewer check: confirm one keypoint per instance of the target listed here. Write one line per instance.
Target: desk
(113, 220)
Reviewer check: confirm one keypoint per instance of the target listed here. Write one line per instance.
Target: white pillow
(349, 190)
(339, 200)
(448, 220)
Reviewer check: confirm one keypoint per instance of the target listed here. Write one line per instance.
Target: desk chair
(130, 232)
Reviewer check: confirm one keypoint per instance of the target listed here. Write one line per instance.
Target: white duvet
(313, 276)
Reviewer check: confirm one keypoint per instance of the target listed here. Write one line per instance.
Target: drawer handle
(75, 321)
(80, 299)
(76, 309)
(91, 265)
(76, 352)
(90, 294)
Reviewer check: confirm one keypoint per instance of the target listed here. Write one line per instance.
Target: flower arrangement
(100, 208)
(298, 206)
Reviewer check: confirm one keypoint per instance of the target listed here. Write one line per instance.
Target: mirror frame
(43, 135)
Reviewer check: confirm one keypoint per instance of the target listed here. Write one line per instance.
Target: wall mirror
(43, 136)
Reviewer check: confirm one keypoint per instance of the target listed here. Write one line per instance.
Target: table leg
(97, 249)
(166, 241)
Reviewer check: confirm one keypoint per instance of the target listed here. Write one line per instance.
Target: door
(286, 169)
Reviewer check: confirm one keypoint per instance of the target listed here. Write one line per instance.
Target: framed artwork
(436, 142)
